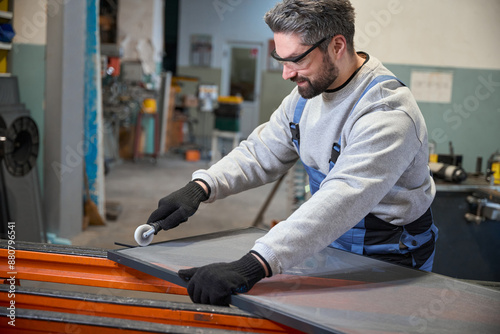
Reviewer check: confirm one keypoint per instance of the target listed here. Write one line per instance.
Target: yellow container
(3, 61)
(4, 5)
(230, 99)
(495, 168)
(149, 106)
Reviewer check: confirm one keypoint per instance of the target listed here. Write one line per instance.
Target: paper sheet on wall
(428, 86)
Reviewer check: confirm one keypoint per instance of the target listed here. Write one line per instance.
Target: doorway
(241, 75)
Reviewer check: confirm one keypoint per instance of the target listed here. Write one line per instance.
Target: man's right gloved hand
(177, 207)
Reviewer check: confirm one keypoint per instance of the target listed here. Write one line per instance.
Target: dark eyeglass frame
(298, 58)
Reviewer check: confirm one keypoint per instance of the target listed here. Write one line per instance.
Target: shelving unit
(5, 17)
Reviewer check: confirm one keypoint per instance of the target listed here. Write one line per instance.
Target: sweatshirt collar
(363, 55)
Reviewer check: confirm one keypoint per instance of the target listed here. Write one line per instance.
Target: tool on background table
(447, 167)
(447, 172)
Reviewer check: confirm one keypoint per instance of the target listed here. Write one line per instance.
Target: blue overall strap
(336, 146)
(294, 126)
(335, 153)
(315, 176)
(376, 81)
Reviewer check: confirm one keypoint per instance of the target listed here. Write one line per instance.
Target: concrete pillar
(64, 115)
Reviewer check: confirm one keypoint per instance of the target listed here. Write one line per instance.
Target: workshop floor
(138, 186)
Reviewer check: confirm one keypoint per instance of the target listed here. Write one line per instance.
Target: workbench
(331, 292)
(464, 250)
(55, 310)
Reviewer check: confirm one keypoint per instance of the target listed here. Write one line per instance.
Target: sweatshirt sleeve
(378, 149)
(266, 155)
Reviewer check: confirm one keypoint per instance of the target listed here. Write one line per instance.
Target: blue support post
(93, 108)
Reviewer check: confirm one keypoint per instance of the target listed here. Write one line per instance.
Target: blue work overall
(411, 245)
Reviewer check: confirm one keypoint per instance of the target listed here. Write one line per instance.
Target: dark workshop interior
(107, 106)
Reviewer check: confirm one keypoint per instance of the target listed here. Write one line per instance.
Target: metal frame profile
(56, 310)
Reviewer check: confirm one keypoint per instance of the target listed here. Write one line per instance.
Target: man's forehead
(288, 45)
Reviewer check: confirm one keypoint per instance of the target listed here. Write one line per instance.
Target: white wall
(30, 21)
(451, 33)
(140, 32)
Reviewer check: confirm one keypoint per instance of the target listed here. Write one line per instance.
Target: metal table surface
(333, 291)
(464, 249)
(470, 184)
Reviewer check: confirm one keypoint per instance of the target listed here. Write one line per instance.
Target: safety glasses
(296, 62)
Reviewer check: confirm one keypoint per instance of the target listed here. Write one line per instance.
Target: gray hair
(313, 20)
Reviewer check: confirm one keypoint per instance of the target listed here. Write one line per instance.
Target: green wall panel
(274, 90)
(471, 121)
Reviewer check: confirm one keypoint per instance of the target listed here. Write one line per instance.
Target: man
(362, 139)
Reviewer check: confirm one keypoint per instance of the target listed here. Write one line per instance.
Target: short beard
(318, 86)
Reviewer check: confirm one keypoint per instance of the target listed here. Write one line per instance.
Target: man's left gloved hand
(215, 283)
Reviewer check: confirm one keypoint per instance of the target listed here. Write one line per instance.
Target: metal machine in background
(484, 205)
(20, 198)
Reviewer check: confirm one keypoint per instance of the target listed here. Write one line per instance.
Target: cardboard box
(189, 101)
(126, 143)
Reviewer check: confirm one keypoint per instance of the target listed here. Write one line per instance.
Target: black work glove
(177, 207)
(214, 283)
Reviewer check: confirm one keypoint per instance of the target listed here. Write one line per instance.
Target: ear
(338, 46)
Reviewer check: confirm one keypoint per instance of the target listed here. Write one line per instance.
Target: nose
(288, 72)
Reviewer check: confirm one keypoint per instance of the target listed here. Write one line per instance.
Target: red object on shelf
(114, 62)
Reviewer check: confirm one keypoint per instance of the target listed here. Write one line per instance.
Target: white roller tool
(144, 234)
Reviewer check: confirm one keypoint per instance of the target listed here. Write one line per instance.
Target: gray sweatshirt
(382, 169)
